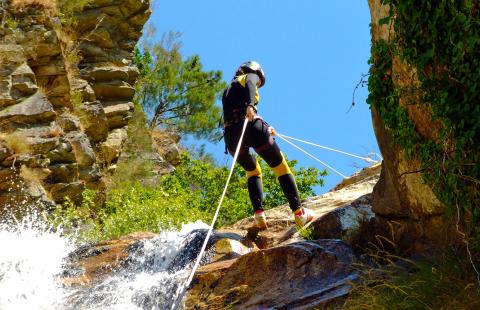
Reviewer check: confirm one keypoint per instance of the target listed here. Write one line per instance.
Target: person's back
(241, 92)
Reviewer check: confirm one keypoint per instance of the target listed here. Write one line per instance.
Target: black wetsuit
(241, 93)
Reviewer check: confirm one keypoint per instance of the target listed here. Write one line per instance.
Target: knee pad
(282, 168)
(257, 172)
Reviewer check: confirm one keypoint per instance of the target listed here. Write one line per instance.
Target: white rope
(302, 150)
(202, 250)
(367, 159)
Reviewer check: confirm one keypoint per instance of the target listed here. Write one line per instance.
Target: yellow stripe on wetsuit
(257, 172)
(282, 169)
(242, 79)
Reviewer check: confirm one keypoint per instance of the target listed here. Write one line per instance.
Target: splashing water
(33, 256)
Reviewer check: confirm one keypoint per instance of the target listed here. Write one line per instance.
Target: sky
(313, 53)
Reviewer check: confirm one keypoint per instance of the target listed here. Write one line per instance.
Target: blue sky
(313, 53)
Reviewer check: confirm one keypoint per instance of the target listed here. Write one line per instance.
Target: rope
(197, 263)
(302, 150)
(367, 159)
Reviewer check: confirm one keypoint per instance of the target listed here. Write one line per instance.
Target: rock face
(65, 96)
(407, 211)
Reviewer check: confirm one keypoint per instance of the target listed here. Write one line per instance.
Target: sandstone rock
(84, 154)
(94, 121)
(97, 261)
(130, 7)
(23, 79)
(12, 53)
(83, 89)
(63, 173)
(111, 148)
(33, 161)
(90, 173)
(68, 122)
(59, 191)
(4, 150)
(56, 67)
(36, 108)
(62, 153)
(109, 73)
(101, 37)
(114, 90)
(303, 274)
(118, 115)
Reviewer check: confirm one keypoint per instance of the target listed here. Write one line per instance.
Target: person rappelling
(240, 101)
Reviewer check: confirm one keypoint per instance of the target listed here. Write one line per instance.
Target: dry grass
(15, 142)
(392, 282)
(34, 175)
(46, 4)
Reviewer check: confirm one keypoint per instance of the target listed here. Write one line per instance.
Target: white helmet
(252, 67)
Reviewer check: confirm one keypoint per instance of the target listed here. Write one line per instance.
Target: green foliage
(443, 284)
(307, 232)
(178, 93)
(67, 8)
(135, 162)
(441, 42)
(191, 193)
(84, 221)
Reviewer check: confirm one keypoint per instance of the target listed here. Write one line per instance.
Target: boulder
(305, 274)
(351, 223)
(109, 73)
(62, 153)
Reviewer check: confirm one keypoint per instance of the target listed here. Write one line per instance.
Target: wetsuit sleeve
(252, 80)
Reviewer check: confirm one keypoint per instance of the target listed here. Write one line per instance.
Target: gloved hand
(272, 131)
(250, 113)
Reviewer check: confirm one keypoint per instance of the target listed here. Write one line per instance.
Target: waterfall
(33, 257)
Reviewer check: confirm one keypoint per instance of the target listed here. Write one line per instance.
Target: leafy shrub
(191, 193)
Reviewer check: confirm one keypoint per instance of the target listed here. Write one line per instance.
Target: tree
(178, 93)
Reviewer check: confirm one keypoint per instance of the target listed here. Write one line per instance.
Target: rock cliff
(66, 89)
(408, 212)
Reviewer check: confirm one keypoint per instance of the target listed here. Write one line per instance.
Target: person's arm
(251, 84)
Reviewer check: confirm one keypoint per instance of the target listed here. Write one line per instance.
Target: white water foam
(32, 258)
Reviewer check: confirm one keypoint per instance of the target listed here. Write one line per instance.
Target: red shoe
(303, 216)
(260, 219)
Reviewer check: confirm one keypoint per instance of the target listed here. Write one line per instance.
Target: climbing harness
(210, 229)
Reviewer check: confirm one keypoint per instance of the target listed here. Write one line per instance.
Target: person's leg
(249, 163)
(268, 149)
